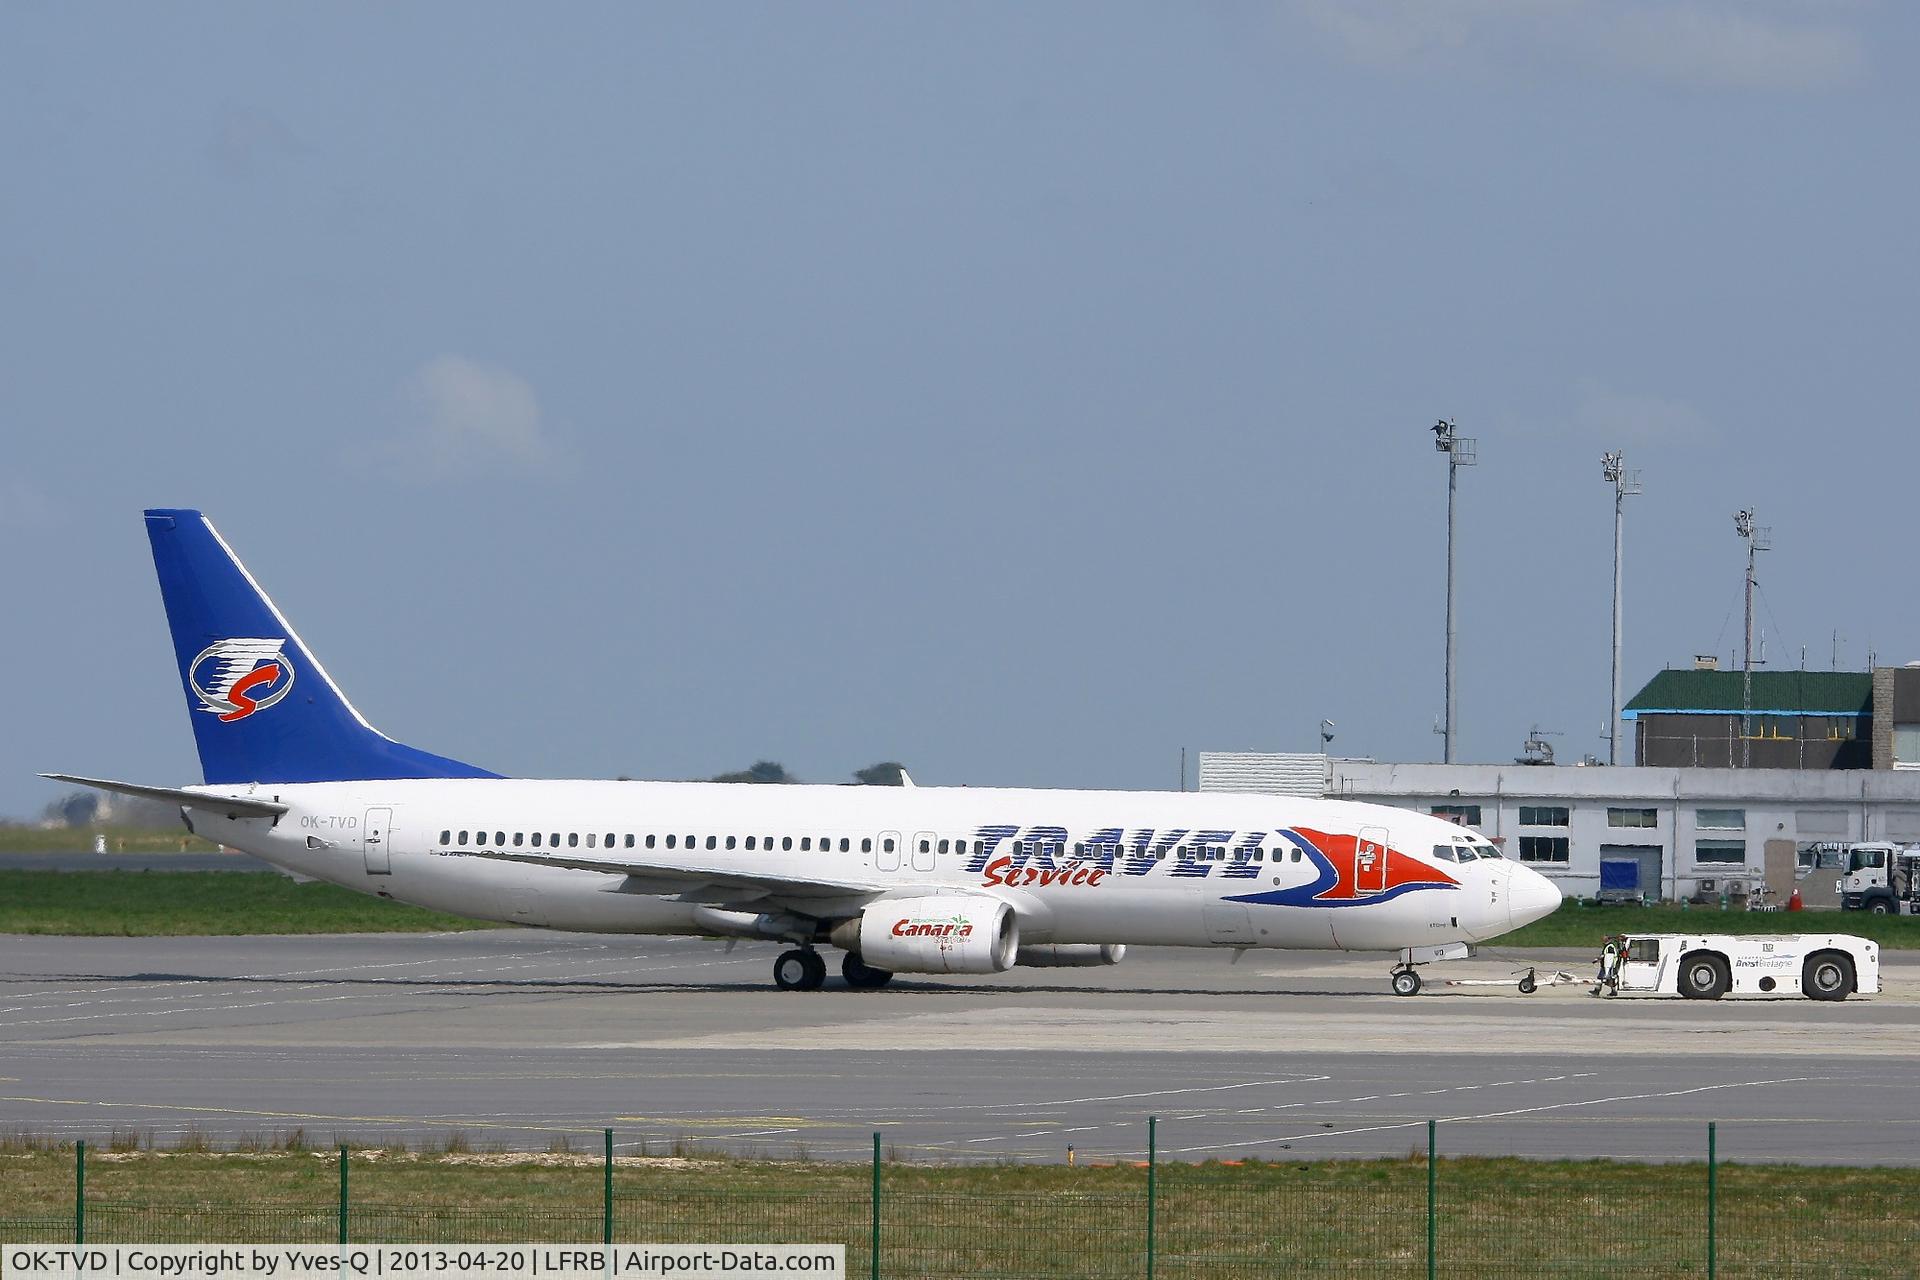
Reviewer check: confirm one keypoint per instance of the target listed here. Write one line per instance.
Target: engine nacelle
(1072, 955)
(950, 933)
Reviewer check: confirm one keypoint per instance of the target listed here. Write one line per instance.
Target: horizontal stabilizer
(227, 806)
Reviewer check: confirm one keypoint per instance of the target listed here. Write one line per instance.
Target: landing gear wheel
(1704, 976)
(1406, 982)
(1527, 985)
(862, 976)
(799, 970)
(1828, 975)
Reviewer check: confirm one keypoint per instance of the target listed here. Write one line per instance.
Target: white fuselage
(1177, 869)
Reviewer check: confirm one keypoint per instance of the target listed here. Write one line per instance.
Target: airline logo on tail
(235, 678)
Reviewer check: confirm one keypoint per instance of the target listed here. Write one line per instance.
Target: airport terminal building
(1666, 833)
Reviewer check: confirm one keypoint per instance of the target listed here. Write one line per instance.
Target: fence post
(1713, 1201)
(873, 1250)
(343, 1193)
(606, 1197)
(80, 1191)
(1433, 1205)
(1153, 1189)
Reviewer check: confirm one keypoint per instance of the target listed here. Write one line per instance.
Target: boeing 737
(923, 880)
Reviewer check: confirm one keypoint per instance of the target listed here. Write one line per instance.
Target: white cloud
(465, 414)
(1713, 44)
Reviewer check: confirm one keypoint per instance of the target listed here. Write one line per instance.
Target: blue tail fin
(263, 709)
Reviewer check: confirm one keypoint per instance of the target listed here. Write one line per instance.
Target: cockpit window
(1489, 851)
(1444, 852)
(1466, 853)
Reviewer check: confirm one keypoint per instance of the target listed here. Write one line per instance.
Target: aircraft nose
(1531, 896)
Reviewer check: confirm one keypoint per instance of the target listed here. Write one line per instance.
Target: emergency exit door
(375, 833)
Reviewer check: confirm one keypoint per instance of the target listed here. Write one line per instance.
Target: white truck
(1820, 966)
(1882, 878)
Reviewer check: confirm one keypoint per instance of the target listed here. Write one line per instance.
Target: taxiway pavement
(517, 1036)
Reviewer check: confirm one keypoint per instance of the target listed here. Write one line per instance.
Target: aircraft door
(887, 856)
(375, 833)
(1370, 860)
(923, 847)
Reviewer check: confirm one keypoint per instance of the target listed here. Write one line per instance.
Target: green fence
(1421, 1216)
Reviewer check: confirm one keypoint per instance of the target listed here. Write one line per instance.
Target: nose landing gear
(801, 969)
(1405, 982)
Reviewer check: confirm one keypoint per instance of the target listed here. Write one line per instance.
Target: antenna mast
(1625, 486)
(1461, 452)
(1758, 540)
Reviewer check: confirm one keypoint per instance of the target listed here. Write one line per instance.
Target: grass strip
(148, 904)
(1253, 1218)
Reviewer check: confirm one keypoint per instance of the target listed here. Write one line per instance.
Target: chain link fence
(1421, 1215)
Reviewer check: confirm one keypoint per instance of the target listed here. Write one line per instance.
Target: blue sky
(1022, 392)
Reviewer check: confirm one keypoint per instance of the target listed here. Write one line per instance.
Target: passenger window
(480, 839)
(590, 839)
(629, 840)
(729, 842)
(609, 843)
(846, 846)
(749, 843)
(649, 839)
(923, 846)
(1296, 856)
(866, 845)
(446, 837)
(786, 844)
(885, 845)
(518, 839)
(806, 844)
(573, 839)
(536, 839)
(554, 839)
(500, 839)
(671, 841)
(943, 846)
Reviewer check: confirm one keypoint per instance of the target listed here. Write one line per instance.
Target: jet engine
(1073, 955)
(950, 933)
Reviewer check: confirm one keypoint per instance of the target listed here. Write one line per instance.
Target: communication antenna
(1461, 451)
(1625, 485)
(1758, 539)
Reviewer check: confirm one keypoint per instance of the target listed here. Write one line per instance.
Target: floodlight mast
(1758, 539)
(1625, 486)
(1461, 451)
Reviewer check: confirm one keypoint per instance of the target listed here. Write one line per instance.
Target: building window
(1906, 746)
(1543, 815)
(1720, 819)
(1543, 848)
(1467, 815)
(1633, 817)
(1720, 852)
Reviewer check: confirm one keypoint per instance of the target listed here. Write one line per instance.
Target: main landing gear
(862, 976)
(801, 969)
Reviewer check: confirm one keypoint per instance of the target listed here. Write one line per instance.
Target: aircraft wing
(680, 875)
(228, 806)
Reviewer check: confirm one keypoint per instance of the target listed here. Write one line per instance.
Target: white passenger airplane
(903, 879)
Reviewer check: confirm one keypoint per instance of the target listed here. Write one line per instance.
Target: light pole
(1624, 486)
(1461, 452)
(1758, 540)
